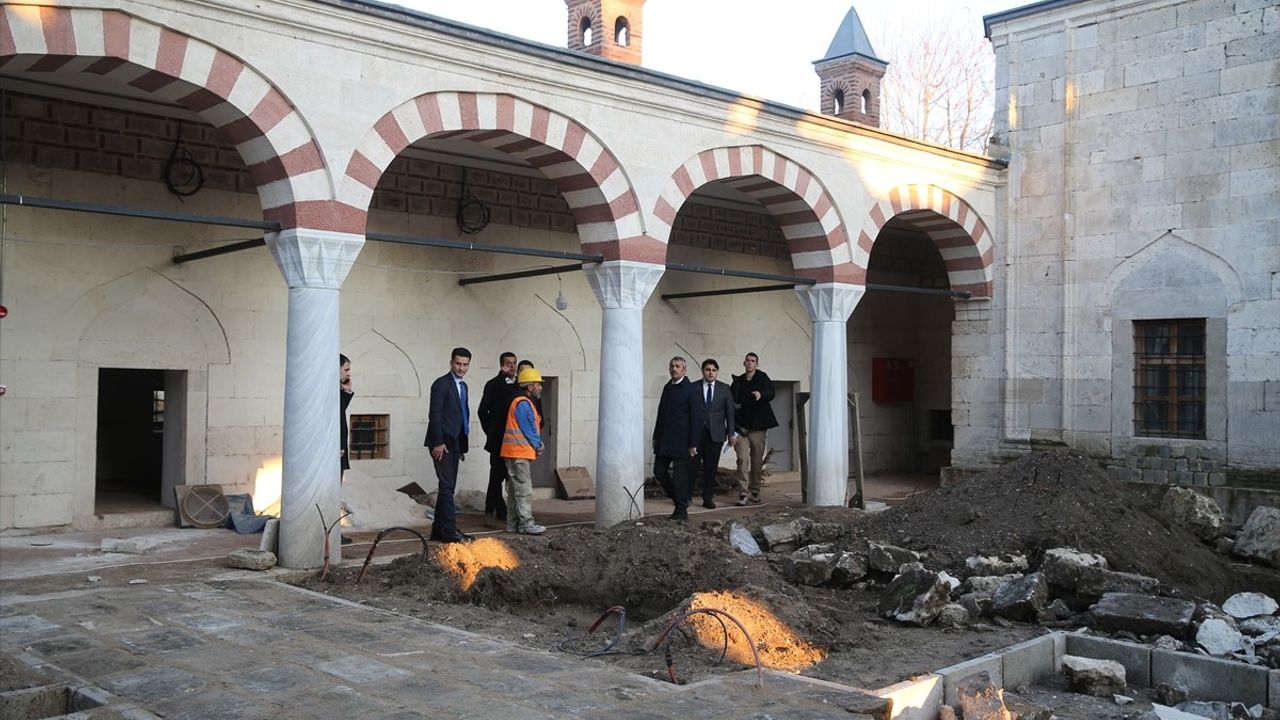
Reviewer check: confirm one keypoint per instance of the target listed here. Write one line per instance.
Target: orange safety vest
(514, 443)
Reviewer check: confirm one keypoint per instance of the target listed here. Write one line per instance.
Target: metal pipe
(220, 250)
(920, 291)
(556, 270)
(499, 249)
(730, 291)
(703, 270)
(104, 209)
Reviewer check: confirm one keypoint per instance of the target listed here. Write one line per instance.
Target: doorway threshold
(160, 517)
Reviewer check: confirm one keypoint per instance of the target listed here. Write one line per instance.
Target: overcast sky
(764, 48)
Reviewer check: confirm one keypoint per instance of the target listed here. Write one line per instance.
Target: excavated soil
(546, 591)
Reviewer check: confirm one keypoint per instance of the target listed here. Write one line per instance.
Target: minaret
(611, 29)
(850, 74)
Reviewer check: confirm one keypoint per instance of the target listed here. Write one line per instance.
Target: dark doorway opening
(131, 440)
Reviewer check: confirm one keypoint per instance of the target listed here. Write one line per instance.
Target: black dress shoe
(709, 504)
(459, 538)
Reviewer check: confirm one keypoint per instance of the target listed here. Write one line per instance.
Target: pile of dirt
(1057, 499)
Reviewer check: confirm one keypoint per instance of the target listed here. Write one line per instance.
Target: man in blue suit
(448, 424)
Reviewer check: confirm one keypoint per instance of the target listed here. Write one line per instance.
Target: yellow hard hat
(528, 376)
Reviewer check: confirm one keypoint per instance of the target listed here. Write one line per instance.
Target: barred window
(1169, 378)
(369, 437)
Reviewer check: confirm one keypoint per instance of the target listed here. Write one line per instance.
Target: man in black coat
(717, 426)
(448, 424)
(492, 414)
(752, 393)
(675, 438)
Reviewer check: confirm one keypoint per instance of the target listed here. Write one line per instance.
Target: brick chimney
(850, 74)
(611, 29)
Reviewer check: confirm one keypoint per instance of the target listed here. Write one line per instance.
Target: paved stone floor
(258, 648)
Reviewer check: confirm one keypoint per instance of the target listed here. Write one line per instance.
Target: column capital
(314, 258)
(830, 302)
(623, 284)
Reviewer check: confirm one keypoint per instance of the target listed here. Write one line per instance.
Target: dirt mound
(1055, 499)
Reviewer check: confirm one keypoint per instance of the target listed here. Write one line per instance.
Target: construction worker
(521, 445)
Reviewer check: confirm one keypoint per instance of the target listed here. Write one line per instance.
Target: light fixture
(561, 302)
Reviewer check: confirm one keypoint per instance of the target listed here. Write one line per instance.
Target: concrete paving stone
(515, 683)
(170, 606)
(406, 715)
(26, 625)
(61, 645)
(270, 679)
(100, 662)
(346, 634)
(360, 669)
(218, 704)
(212, 623)
(160, 640)
(293, 620)
(537, 663)
(216, 656)
(151, 684)
(630, 714)
(335, 701)
(1210, 678)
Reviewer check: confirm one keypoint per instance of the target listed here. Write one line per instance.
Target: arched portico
(817, 240)
(608, 221)
(951, 223)
(315, 246)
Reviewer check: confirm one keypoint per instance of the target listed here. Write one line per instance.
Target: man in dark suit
(675, 438)
(498, 393)
(717, 426)
(448, 424)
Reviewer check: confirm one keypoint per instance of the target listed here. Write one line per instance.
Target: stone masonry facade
(1144, 185)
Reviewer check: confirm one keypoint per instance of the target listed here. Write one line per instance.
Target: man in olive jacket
(752, 395)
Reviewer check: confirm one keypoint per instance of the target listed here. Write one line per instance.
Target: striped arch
(587, 174)
(796, 199)
(265, 128)
(954, 227)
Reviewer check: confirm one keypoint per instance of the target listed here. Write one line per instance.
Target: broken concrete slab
(849, 568)
(952, 615)
(781, 537)
(270, 535)
(805, 568)
(889, 558)
(996, 565)
(1265, 625)
(250, 559)
(131, 546)
(1194, 511)
(1095, 582)
(1249, 604)
(1061, 566)
(986, 583)
(980, 699)
(978, 604)
(1218, 638)
(1020, 599)
(1135, 658)
(915, 596)
(1143, 614)
(1089, 676)
(1260, 538)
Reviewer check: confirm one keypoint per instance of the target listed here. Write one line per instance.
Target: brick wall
(68, 135)
(852, 76)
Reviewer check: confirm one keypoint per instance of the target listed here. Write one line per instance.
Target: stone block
(1095, 582)
(1136, 659)
(1143, 614)
(888, 558)
(995, 565)
(915, 596)
(1260, 537)
(130, 546)
(1210, 678)
(1021, 599)
(1090, 676)
(250, 559)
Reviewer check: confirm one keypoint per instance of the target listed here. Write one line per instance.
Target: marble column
(622, 287)
(829, 306)
(314, 264)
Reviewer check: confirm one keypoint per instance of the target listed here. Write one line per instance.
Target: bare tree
(939, 86)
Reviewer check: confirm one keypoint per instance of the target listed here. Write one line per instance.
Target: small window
(584, 31)
(940, 427)
(621, 32)
(369, 437)
(157, 410)
(866, 101)
(1169, 378)
(837, 101)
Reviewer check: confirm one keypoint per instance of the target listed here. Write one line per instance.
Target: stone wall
(1144, 184)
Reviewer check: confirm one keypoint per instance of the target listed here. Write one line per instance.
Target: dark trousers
(709, 458)
(445, 524)
(675, 475)
(494, 503)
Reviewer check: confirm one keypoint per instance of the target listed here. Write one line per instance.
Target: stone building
(420, 184)
(1140, 289)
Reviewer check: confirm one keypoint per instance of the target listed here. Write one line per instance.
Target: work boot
(511, 525)
(742, 499)
(532, 528)
(754, 499)
(709, 504)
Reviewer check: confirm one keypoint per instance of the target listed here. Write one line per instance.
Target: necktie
(466, 414)
(707, 400)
